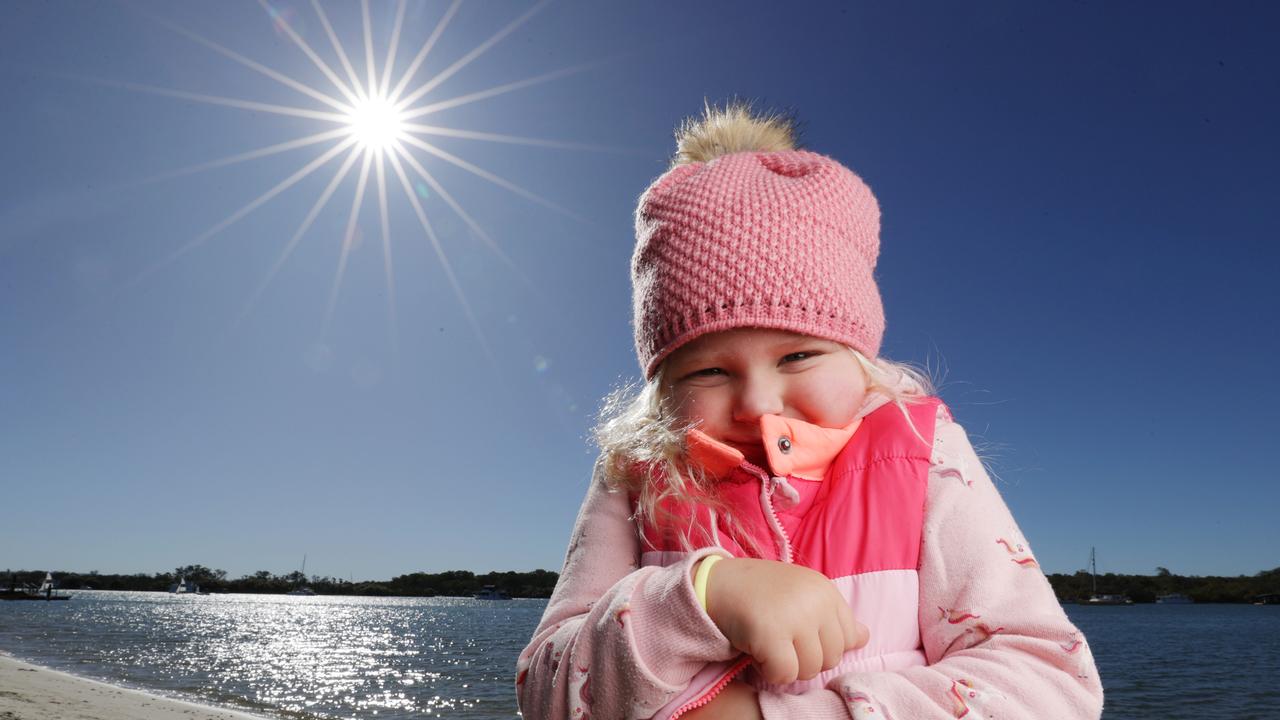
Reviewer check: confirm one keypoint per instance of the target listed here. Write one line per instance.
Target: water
(455, 658)
(1185, 662)
(297, 657)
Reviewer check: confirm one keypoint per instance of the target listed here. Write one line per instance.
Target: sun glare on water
(373, 119)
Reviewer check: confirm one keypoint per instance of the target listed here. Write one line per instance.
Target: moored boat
(491, 592)
(1104, 599)
(302, 590)
(26, 591)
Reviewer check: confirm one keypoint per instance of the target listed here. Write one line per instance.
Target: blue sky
(1079, 229)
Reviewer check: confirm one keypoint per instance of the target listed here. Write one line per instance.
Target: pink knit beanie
(746, 231)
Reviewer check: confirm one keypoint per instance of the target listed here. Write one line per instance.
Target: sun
(376, 124)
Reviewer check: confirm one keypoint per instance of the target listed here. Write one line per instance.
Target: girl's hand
(791, 620)
(736, 701)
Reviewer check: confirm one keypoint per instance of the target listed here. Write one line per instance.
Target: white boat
(302, 590)
(31, 592)
(182, 587)
(491, 592)
(1174, 599)
(46, 589)
(1095, 598)
(1109, 600)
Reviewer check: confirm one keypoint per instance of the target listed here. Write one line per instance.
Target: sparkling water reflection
(289, 656)
(308, 657)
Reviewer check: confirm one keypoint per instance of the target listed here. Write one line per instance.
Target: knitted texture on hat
(783, 240)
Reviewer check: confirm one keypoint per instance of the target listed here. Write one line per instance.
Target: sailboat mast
(1093, 568)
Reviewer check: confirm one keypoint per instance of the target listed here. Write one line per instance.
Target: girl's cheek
(692, 410)
(683, 404)
(844, 402)
(857, 395)
(699, 408)
(852, 402)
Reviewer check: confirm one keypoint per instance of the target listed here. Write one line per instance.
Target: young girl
(783, 524)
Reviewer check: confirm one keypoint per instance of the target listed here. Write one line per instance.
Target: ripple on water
(1185, 662)
(294, 657)
(455, 657)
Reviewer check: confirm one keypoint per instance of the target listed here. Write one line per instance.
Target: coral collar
(793, 447)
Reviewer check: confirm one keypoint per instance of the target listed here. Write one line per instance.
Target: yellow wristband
(700, 578)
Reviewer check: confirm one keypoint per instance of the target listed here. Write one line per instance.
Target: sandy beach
(32, 692)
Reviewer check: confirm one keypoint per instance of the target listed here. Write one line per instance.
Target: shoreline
(34, 692)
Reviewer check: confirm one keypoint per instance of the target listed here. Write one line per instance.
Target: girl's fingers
(855, 633)
(809, 656)
(832, 636)
(861, 635)
(780, 667)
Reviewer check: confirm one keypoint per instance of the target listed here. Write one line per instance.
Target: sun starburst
(374, 129)
(377, 125)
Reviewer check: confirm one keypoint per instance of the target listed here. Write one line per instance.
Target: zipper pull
(791, 494)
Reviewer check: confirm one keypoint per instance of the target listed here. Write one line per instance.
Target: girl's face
(726, 381)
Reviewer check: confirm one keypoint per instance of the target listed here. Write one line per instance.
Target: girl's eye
(798, 356)
(701, 374)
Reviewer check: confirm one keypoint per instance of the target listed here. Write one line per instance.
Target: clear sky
(1080, 230)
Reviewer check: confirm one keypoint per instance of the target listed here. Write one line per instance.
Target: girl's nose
(757, 397)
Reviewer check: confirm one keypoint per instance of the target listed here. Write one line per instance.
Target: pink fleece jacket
(962, 621)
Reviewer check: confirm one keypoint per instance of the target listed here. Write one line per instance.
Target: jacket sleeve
(617, 637)
(997, 642)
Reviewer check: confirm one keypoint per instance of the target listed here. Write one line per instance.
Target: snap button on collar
(784, 444)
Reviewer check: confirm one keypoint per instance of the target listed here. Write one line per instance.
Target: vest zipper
(767, 486)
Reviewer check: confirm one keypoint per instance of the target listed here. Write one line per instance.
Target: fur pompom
(734, 128)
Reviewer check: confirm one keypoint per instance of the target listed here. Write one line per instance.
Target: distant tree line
(457, 583)
(1145, 588)
(540, 583)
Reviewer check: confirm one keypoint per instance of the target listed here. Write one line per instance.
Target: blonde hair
(643, 451)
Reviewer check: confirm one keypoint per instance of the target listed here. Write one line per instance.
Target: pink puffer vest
(859, 525)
